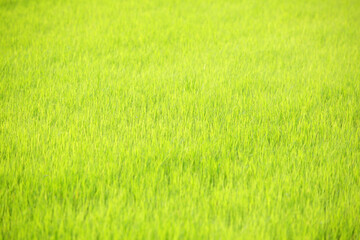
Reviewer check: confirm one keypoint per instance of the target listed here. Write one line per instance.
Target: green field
(184, 119)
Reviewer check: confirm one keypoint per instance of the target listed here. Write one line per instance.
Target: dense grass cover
(180, 119)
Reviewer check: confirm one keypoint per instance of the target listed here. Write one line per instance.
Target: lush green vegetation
(180, 119)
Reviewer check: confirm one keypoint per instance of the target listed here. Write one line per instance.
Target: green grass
(180, 119)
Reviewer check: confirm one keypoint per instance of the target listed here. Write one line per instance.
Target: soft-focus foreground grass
(180, 119)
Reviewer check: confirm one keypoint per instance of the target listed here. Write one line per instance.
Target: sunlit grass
(180, 119)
